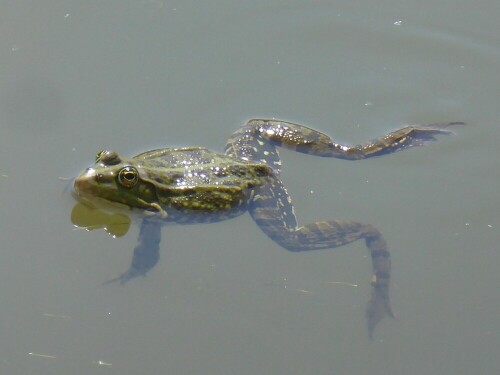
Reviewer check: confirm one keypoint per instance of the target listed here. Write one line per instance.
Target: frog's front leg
(146, 253)
(272, 210)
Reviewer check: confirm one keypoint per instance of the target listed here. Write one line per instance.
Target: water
(78, 77)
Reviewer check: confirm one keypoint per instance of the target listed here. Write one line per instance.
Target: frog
(194, 185)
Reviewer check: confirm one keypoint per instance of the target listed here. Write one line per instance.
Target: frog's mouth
(104, 197)
(84, 191)
(99, 203)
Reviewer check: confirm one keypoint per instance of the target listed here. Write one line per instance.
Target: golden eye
(128, 176)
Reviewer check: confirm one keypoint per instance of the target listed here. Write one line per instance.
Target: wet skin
(195, 185)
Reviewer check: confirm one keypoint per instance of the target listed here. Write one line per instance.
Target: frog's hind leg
(273, 212)
(249, 142)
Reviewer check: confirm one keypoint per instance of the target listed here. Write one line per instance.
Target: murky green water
(77, 77)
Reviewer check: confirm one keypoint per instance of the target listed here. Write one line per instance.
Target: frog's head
(116, 180)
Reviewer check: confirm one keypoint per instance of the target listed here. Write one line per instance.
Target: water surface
(78, 77)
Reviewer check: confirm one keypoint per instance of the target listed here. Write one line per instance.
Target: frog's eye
(108, 158)
(128, 176)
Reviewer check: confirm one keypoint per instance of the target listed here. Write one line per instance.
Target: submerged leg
(249, 141)
(146, 253)
(272, 211)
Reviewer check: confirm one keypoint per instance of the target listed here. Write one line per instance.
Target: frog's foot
(146, 252)
(143, 261)
(379, 306)
(417, 135)
(124, 277)
(397, 140)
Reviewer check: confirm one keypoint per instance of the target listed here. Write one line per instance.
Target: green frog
(196, 185)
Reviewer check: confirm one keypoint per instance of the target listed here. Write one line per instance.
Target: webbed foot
(417, 135)
(378, 307)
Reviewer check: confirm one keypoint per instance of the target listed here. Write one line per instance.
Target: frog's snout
(84, 181)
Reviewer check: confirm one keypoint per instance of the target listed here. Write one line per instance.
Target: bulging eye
(108, 158)
(128, 176)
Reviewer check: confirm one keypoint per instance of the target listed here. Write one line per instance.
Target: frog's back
(183, 157)
(195, 184)
(198, 166)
